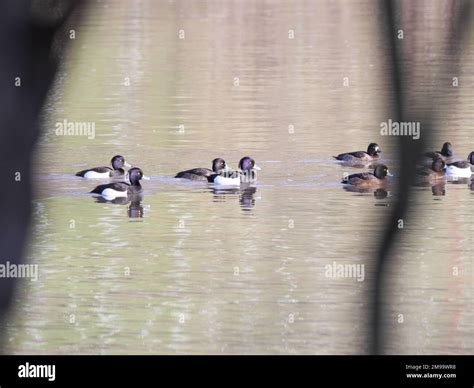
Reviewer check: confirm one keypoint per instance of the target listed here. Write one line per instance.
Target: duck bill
(389, 173)
(144, 177)
(227, 168)
(128, 165)
(256, 168)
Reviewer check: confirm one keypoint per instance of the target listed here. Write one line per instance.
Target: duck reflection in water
(134, 210)
(245, 192)
(379, 193)
(247, 199)
(439, 189)
(458, 181)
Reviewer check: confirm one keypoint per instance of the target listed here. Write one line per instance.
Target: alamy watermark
(335, 270)
(75, 128)
(403, 128)
(28, 370)
(12, 270)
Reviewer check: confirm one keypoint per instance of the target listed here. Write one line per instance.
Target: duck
(445, 154)
(435, 172)
(462, 168)
(111, 191)
(368, 179)
(117, 162)
(373, 153)
(201, 174)
(249, 170)
(245, 174)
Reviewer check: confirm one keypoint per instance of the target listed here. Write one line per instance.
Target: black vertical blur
(31, 46)
(408, 149)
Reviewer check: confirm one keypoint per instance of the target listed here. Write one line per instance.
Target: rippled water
(192, 269)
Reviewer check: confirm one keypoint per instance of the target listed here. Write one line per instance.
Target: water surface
(192, 269)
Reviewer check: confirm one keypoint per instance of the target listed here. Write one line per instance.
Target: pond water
(192, 269)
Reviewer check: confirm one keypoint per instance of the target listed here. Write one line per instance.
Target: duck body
(202, 174)
(227, 178)
(247, 174)
(433, 173)
(195, 174)
(461, 169)
(429, 174)
(446, 154)
(430, 156)
(362, 179)
(114, 190)
(118, 162)
(368, 179)
(357, 157)
(101, 173)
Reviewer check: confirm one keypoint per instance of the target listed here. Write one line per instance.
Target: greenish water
(227, 271)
